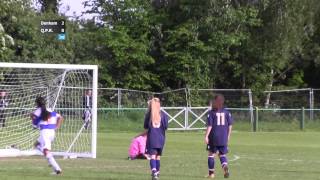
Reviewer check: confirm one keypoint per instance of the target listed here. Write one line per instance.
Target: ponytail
(41, 103)
(155, 116)
(45, 114)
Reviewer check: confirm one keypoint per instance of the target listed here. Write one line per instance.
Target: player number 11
(220, 119)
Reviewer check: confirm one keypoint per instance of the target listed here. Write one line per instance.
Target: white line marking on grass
(292, 160)
(235, 158)
(279, 159)
(23, 168)
(75, 167)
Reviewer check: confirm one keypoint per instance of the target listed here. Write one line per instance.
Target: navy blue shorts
(220, 149)
(154, 151)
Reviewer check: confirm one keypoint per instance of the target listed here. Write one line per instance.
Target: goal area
(64, 87)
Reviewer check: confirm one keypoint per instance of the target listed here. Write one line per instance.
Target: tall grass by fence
(264, 120)
(283, 110)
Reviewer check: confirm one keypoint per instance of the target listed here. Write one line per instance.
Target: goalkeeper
(137, 147)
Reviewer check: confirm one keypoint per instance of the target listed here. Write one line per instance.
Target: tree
(225, 29)
(21, 22)
(179, 54)
(310, 54)
(8, 11)
(198, 38)
(168, 44)
(178, 43)
(49, 6)
(125, 42)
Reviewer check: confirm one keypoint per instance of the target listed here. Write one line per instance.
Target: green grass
(276, 155)
(111, 121)
(263, 156)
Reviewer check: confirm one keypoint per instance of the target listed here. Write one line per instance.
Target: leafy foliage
(167, 44)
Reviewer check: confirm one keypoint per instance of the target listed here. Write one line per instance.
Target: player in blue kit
(219, 127)
(47, 121)
(155, 124)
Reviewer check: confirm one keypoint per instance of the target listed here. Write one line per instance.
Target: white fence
(185, 112)
(187, 108)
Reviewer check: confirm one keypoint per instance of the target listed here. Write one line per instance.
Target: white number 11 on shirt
(220, 119)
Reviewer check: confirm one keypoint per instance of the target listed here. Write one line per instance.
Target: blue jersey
(219, 120)
(156, 135)
(51, 123)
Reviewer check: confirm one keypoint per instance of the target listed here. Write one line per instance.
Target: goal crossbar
(47, 66)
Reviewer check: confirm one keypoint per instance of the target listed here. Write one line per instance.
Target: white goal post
(64, 87)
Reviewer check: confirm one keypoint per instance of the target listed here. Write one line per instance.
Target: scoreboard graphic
(57, 27)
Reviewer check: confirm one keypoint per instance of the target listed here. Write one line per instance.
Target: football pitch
(256, 156)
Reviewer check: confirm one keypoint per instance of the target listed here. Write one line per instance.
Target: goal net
(293, 98)
(64, 87)
(283, 108)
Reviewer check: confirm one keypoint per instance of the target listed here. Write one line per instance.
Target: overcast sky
(75, 6)
(71, 7)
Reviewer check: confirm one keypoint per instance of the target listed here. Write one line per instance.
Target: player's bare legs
(211, 165)
(52, 161)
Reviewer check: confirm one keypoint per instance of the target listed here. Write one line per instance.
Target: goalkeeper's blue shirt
(219, 120)
(51, 123)
(156, 135)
